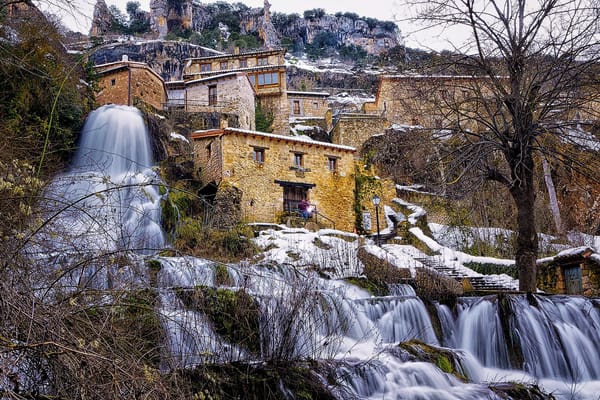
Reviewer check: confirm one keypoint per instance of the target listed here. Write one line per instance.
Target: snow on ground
(331, 251)
(417, 212)
(334, 252)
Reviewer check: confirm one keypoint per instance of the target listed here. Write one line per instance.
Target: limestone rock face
(101, 20)
(372, 35)
(165, 57)
(165, 15)
(258, 20)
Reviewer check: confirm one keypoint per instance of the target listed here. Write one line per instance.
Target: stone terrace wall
(354, 129)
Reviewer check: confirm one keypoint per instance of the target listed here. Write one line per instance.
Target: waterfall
(103, 211)
(109, 199)
(306, 316)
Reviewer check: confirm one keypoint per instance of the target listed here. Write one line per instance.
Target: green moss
(444, 364)
(234, 314)
(444, 359)
(222, 277)
(366, 185)
(374, 288)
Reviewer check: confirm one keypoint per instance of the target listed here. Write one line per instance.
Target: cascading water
(109, 201)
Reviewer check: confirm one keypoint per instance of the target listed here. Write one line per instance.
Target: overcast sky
(385, 10)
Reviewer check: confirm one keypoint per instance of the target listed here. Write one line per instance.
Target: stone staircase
(478, 283)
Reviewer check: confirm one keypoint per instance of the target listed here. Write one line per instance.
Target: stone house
(572, 271)
(128, 83)
(224, 94)
(309, 108)
(265, 70)
(275, 172)
(429, 101)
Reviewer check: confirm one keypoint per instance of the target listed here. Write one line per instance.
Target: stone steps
(483, 283)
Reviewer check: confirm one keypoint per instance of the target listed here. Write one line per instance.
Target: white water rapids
(109, 201)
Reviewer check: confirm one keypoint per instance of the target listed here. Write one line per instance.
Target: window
(205, 67)
(298, 160)
(259, 155)
(243, 63)
(262, 61)
(316, 105)
(265, 79)
(113, 82)
(296, 107)
(223, 64)
(332, 164)
(252, 79)
(212, 95)
(208, 151)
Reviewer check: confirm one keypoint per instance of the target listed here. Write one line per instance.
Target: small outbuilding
(572, 271)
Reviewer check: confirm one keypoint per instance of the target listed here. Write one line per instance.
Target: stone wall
(354, 129)
(208, 159)
(428, 101)
(262, 199)
(307, 105)
(128, 83)
(234, 96)
(277, 106)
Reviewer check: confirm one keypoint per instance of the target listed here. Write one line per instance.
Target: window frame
(258, 154)
(298, 160)
(333, 164)
(212, 95)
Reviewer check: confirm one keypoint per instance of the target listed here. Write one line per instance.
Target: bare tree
(535, 94)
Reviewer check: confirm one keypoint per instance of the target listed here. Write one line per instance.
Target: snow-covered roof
(301, 139)
(239, 55)
(300, 93)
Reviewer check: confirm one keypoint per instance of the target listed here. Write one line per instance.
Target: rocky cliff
(292, 30)
(167, 58)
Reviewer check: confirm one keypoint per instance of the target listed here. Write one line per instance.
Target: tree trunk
(523, 193)
(552, 197)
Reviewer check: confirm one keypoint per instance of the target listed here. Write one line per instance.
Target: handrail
(317, 213)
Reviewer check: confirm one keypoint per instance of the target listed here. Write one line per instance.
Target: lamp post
(376, 201)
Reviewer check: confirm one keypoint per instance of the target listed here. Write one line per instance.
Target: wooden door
(573, 283)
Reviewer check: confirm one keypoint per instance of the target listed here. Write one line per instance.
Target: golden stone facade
(355, 129)
(275, 172)
(128, 83)
(428, 101)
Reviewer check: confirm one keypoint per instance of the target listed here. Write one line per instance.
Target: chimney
(236, 50)
(125, 58)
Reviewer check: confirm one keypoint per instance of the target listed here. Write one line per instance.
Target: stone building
(572, 271)
(266, 72)
(310, 107)
(129, 83)
(225, 94)
(429, 101)
(275, 172)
